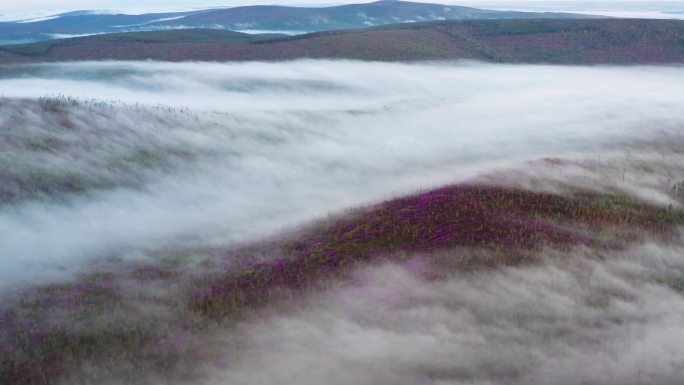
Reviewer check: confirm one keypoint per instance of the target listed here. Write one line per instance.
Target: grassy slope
(510, 41)
(180, 36)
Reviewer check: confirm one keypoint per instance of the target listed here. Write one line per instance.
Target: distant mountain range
(622, 41)
(292, 20)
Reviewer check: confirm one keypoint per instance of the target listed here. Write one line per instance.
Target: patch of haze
(69, 36)
(613, 8)
(263, 31)
(45, 18)
(47, 13)
(165, 19)
(634, 14)
(16, 41)
(647, 171)
(235, 28)
(586, 317)
(290, 142)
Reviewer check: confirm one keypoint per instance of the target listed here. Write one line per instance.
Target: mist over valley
(345, 207)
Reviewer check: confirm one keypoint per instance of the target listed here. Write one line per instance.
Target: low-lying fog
(207, 154)
(574, 319)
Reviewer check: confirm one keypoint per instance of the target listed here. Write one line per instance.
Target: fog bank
(586, 317)
(207, 154)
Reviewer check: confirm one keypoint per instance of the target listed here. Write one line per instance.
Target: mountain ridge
(591, 41)
(258, 17)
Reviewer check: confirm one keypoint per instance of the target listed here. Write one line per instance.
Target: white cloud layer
(586, 317)
(288, 142)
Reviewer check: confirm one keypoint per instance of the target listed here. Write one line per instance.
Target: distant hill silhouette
(505, 41)
(261, 18)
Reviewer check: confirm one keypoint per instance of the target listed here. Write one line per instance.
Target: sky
(24, 9)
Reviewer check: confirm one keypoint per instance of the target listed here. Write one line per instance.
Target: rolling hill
(261, 18)
(76, 23)
(345, 16)
(594, 41)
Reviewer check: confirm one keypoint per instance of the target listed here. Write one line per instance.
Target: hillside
(261, 18)
(76, 23)
(623, 41)
(345, 16)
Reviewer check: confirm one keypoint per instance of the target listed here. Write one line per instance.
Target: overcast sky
(19, 9)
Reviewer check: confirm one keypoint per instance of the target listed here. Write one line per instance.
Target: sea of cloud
(159, 155)
(584, 317)
(103, 160)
